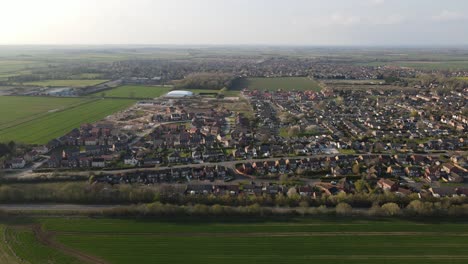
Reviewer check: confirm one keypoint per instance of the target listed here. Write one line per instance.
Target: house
(173, 157)
(18, 163)
(387, 185)
(130, 160)
(98, 163)
(151, 161)
(199, 189)
(41, 150)
(252, 189)
(31, 156)
(305, 191)
(446, 191)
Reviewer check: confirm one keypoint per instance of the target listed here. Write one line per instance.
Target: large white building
(179, 93)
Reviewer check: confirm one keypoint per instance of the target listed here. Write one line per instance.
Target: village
(399, 140)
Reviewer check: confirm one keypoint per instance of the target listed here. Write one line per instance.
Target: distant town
(312, 125)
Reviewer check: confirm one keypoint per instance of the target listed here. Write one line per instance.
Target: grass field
(67, 83)
(17, 109)
(273, 84)
(6, 254)
(25, 246)
(425, 65)
(294, 241)
(14, 66)
(135, 91)
(43, 128)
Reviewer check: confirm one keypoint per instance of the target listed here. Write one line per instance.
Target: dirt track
(260, 234)
(48, 240)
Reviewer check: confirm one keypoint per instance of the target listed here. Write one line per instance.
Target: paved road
(227, 164)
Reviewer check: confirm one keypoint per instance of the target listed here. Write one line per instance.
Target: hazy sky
(273, 22)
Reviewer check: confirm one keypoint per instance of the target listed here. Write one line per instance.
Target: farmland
(17, 109)
(273, 84)
(25, 246)
(45, 127)
(264, 241)
(135, 91)
(66, 83)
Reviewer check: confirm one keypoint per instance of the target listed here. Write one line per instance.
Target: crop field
(135, 91)
(127, 241)
(66, 83)
(25, 246)
(273, 84)
(425, 65)
(14, 66)
(41, 129)
(18, 109)
(204, 91)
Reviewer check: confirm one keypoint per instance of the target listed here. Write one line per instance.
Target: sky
(233, 22)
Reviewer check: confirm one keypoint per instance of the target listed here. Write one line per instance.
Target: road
(227, 164)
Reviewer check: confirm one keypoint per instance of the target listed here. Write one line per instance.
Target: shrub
(343, 209)
(390, 209)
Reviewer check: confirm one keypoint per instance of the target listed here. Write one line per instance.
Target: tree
(343, 209)
(420, 208)
(304, 204)
(292, 193)
(391, 209)
(283, 178)
(294, 131)
(360, 186)
(356, 168)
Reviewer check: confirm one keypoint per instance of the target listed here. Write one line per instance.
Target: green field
(14, 66)
(425, 65)
(249, 241)
(66, 83)
(18, 109)
(135, 91)
(41, 129)
(25, 246)
(273, 84)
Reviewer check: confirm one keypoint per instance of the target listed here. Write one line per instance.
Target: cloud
(393, 19)
(376, 2)
(344, 19)
(447, 15)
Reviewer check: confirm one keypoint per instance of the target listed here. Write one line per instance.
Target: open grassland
(292, 241)
(135, 91)
(273, 84)
(14, 66)
(66, 83)
(17, 109)
(55, 124)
